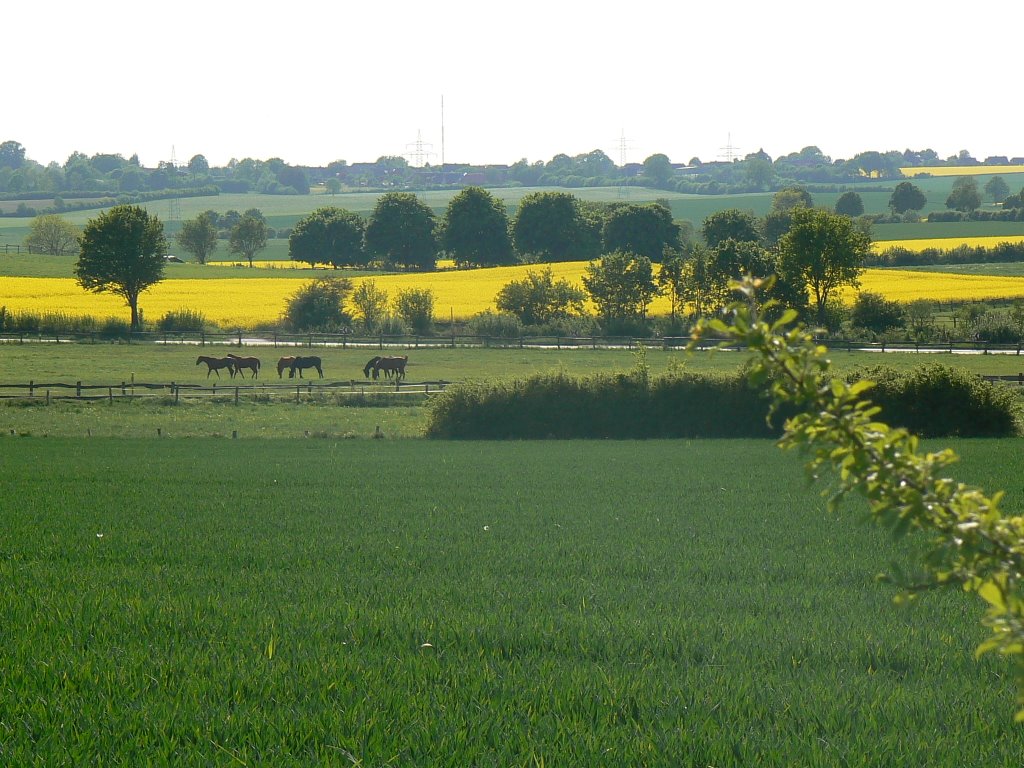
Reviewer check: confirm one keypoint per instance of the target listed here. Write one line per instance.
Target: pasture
(517, 604)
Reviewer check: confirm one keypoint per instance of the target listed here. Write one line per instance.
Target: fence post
(31, 389)
(236, 395)
(78, 389)
(110, 395)
(174, 389)
(380, 344)
(202, 338)
(298, 387)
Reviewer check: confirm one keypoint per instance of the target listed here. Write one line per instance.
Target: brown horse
(284, 362)
(393, 366)
(299, 363)
(214, 364)
(371, 366)
(252, 363)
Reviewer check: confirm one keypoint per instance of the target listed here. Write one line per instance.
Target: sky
(312, 82)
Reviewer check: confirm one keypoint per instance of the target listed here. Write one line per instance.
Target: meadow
(403, 602)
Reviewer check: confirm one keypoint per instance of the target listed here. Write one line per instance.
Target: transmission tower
(174, 203)
(623, 146)
(420, 151)
(729, 152)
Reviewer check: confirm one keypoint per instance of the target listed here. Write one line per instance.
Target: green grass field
(514, 604)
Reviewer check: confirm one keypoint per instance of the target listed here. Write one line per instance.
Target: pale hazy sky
(311, 82)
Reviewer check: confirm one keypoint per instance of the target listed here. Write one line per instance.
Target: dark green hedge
(934, 401)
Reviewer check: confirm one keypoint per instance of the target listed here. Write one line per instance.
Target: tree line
(119, 177)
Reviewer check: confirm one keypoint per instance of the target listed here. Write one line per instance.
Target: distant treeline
(898, 256)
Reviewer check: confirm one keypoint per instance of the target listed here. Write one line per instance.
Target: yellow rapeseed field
(232, 302)
(961, 170)
(945, 243)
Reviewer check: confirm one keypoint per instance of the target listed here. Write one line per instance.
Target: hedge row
(935, 401)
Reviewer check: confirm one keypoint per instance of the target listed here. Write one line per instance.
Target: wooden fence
(305, 391)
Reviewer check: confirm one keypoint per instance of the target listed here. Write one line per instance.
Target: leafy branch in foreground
(972, 545)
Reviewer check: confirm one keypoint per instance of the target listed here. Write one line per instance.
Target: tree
(370, 304)
(731, 222)
(658, 168)
(12, 155)
(549, 226)
(329, 236)
(876, 313)
(122, 252)
(475, 230)
(401, 232)
(997, 189)
(645, 230)
(823, 251)
(850, 204)
(906, 197)
(791, 197)
(248, 236)
(670, 277)
(198, 236)
(964, 197)
(52, 234)
(319, 305)
(416, 307)
(621, 285)
(198, 166)
(701, 285)
(538, 298)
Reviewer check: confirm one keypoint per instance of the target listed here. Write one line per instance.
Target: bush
(319, 306)
(874, 312)
(933, 401)
(183, 320)
(939, 401)
(503, 325)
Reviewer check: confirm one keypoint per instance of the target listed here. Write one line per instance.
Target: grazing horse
(252, 363)
(284, 362)
(299, 363)
(393, 365)
(214, 364)
(371, 366)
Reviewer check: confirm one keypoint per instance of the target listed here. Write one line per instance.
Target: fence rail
(350, 341)
(307, 390)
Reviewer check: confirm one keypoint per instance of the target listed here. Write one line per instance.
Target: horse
(214, 364)
(371, 366)
(393, 365)
(252, 363)
(284, 362)
(299, 363)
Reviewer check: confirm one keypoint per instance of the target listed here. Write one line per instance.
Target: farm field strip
(961, 170)
(945, 243)
(584, 603)
(247, 302)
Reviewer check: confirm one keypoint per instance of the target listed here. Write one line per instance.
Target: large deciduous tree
(997, 189)
(401, 232)
(964, 197)
(645, 230)
(52, 234)
(621, 285)
(12, 155)
(122, 252)
(475, 230)
(730, 223)
(329, 236)
(198, 237)
(824, 252)
(850, 204)
(248, 235)
(539, 298)
(906, 197)
(550, 226)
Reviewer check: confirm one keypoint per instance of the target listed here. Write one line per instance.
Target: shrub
(874, 312)
(940, 401)
(503, 325)
(183, 320)
(319, 306)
